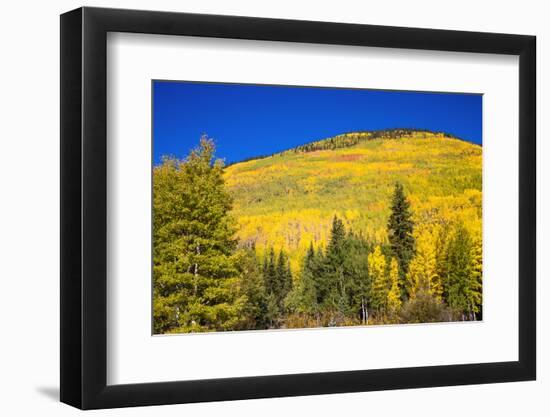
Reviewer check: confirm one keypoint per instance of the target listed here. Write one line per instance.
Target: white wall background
(29, 209)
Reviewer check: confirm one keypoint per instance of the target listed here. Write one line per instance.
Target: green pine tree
(194, 266)
(336, 242)
(331, 273)
(270, 273)
(459, 285)
(255, 310)
(400, 234)
(284, 278)
(357, 280)
(476, 279)
(308, 285)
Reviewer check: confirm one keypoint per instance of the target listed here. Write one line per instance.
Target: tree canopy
(206, 279)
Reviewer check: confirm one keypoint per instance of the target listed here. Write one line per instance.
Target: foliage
(475, 282)
(394, 294)
(350, 139)
(284, 277)
(278, 283)
(363, 228)
(422, 274)
(304, 300)
(424, 308)
(462, 279)
(194, 262)
(289, 200)
(356, 270)
(334, 286)
(400, 234)
(255, 312)
(379, 277)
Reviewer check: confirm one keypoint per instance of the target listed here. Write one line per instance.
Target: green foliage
(462, 272)
(400, 234)
(394, 294)
(278, 284)
(334, 286)
(316, 236)
(194, 263)
(335, 247)
(284, 278)
(350, 139)
(255, 313)
(304, 299)
(380, 283)
(475, 282)
(357, 285)
(270, 274)
(424, 308)
(332, 277)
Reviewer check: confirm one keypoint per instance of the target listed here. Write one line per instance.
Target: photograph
(292, 207)
(282, 204)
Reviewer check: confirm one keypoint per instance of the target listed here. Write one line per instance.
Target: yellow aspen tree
(422, 275)
(394, 295)
(377, 270)
(474, 294)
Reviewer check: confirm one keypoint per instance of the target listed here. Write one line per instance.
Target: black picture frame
(84, 207)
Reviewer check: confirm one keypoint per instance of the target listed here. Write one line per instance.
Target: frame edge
(70, 215)
(83, 209)
(528, 207)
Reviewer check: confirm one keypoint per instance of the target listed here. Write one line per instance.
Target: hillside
(289, 199)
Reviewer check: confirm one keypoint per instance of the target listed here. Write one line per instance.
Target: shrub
(425, 308)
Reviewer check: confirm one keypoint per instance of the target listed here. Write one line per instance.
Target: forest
(286, 253)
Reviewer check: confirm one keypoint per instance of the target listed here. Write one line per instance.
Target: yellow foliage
(380, 285)
(422, 274)
(394, 295)
(288, 200)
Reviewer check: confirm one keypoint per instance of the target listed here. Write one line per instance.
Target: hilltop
(348, 139)
(289, 199)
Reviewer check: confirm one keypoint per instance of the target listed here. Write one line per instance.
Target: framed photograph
(257, 208)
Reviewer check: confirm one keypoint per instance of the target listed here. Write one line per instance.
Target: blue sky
(251, 120)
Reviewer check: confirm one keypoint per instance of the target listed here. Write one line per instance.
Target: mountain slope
(288, 200)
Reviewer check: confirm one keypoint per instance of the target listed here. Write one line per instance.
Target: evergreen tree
(284, 278)
(400, 234)
(194, 266)
(272, 288)
(442, 237)
(335, 247)
(305, 300)
(474, 294)
(255, 310)
(341, 301)
(329, 272)
(356, 273)
(272, 311)
(270, 273)
(321, 272)
(460, 287)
